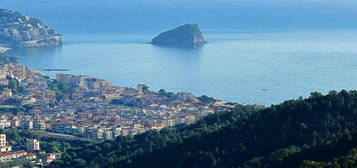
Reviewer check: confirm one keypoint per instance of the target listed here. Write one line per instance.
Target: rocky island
(188, 35)
(19, 31)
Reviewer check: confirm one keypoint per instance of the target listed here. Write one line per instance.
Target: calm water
(263, 68)
(253, 67)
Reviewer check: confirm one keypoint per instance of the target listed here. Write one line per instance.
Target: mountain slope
(17, 30)
(243, 137)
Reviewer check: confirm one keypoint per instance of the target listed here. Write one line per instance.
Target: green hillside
(308, 133)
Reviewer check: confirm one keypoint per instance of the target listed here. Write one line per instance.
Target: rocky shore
(188, 35)
(20, 31)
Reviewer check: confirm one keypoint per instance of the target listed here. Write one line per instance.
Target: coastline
(4, 49)
(54, 70)
(77, 98)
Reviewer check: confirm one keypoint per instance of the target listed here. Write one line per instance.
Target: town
(92, 108)
(31, 152)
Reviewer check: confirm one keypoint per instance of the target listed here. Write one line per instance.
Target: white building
(3, 144)
(33, 145)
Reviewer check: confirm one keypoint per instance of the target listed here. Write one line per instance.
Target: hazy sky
(73, 16)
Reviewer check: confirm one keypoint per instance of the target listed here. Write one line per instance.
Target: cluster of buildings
(94, 108)
(32, 152)
(34, 85)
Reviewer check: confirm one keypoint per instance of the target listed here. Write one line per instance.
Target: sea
(265, 59)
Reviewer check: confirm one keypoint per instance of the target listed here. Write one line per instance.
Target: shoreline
(4, 49)
(54, 70)
(142, 108)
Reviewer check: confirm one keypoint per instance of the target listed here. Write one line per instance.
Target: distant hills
(317, 132)
(17, 30)
(188, 35)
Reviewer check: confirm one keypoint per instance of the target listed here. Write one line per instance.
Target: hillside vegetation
(316, 132)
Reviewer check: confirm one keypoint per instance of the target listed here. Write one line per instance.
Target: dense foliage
(14, 85)
(62, 90)
(347, 161)
(319, 131)
(17, 138)
(24, 162)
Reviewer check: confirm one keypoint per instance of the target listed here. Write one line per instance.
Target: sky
(150, 16)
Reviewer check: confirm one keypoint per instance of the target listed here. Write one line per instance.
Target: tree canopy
(319, 131)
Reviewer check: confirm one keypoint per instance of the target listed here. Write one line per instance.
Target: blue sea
(256, 53)
(263, 68)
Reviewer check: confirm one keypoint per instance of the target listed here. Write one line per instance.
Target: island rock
(185, 35)
(19, 31)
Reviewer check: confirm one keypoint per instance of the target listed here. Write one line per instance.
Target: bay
(245, 67)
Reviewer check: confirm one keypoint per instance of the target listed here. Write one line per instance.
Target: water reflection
(261, 68)
(39, 58)
(182, 46)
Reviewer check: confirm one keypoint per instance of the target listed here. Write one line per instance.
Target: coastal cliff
(19, 31)
(185, 35)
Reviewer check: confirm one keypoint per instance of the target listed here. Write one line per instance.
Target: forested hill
(316, 132)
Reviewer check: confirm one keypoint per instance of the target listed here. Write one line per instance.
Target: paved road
(58, 135)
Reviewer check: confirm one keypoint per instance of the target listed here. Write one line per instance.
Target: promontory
(19, 31)
(185, 35)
